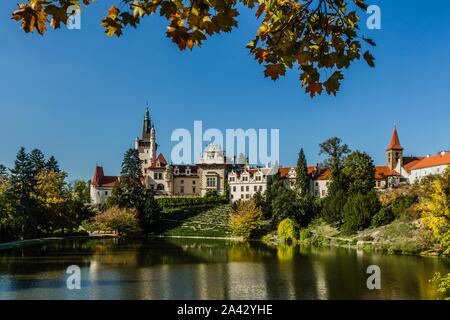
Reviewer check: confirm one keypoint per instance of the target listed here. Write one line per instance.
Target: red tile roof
(324, 174)
(100, 180)
(161, 160)
(410, 162)
(437, 160)
(381, 172)
(284, 171)
(395, 141)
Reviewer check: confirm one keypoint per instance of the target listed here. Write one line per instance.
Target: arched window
(160, 187)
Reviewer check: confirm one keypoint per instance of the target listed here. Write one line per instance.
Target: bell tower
(394, 151)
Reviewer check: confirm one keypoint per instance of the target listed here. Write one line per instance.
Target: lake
(209, 269)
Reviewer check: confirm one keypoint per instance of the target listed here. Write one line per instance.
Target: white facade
(419, 174)
(245, 184)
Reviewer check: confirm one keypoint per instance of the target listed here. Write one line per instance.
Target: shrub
(402, 204)
(246, 221)
(122, 221)
(333, 206)
(286, 231)
(443, 284)
(305, 234)
(169, 204)
(383, 217)
(359, 210)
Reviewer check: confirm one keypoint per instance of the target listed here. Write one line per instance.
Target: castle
(214, 169)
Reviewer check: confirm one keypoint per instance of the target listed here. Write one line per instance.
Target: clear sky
(80, 95)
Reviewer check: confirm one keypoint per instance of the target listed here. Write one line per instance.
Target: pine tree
(131, 164)
(37, 160)
(52, 165)
(302, 178)
(21, 194)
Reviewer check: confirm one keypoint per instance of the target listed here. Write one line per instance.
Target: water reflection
(200, 269)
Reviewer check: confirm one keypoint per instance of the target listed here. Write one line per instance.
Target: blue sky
(80, 95)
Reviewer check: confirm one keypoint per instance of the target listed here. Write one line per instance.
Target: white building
(244, 184)
(430, 165)
(101, 186)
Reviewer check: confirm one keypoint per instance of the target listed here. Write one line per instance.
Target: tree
(246, 220)
(3, 172)
(52, 165)
(37, 160)
(287, 231)
(302, 177)
(122, 221)
(148, 213)
(52, 196)
(336, 152)
(131, 164)
(359, 171)
(332, 207)
(359, 210)
(20, 193)
(320, 38)
(434, 207)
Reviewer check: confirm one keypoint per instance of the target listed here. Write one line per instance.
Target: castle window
(245, 179)
(160, 187)
(106, 193)
(181, 181)
(258, 178)
(242, 189)
(247, 188)
(193, 189)
(255, 188)
(193, 182)
(182, 190)
(210, 182)
(232, 179)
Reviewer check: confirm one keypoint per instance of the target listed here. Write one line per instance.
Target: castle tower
(153, 145)
(146, 128)
(394, 152)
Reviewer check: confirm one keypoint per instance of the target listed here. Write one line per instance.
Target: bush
(359, 210)
(286, 231)
(401, 204)
(383, 217)
(169, 204)
(305, 235)
(122, 221)
(443, 284)
(246, 221)
(332, 207)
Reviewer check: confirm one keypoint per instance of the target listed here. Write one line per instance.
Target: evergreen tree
(131, 164)
(37, 160)
(52, 165)
(149, 212)
(20, 193)
(359, 210)
(302, 179)
(3, 173)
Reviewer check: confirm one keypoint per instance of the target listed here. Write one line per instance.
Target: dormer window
(188, 171)
(258, 178)
(176, 171)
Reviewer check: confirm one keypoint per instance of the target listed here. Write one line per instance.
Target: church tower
(394, 152)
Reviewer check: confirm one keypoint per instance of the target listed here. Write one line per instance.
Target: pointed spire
(147, 125)
(395, 141)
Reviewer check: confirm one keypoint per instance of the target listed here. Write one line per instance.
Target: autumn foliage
(320, 38)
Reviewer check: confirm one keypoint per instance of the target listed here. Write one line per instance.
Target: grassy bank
(398, 237)
(196, 222)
